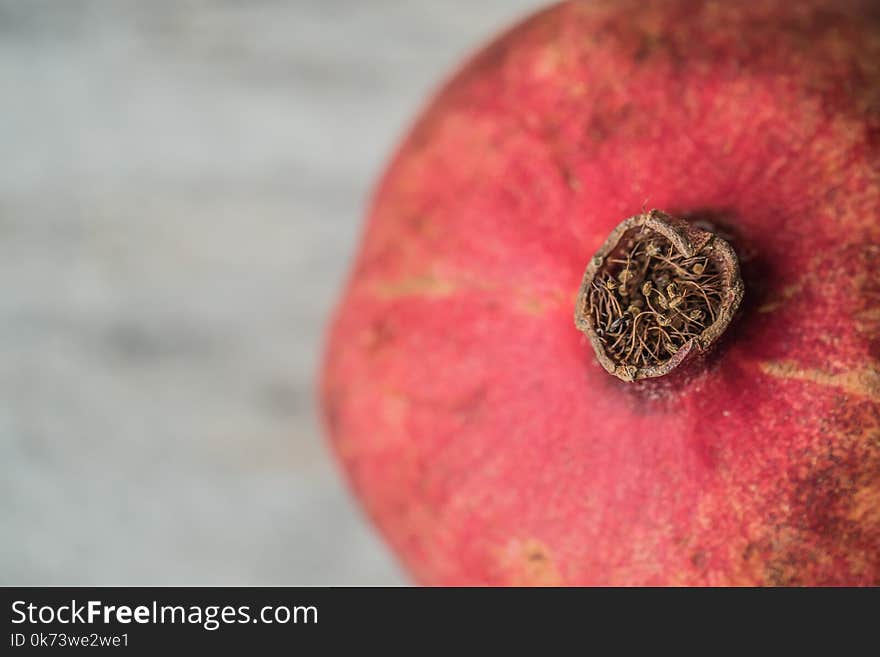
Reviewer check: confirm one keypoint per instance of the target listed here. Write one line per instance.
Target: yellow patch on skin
(528, 302)
(867, 320)
(864, 382)
(532, 306)
(536, 304)
(865, 508)
(547, 63)
(423, 286)
(786, 294)
(529, 563)
(747, 566)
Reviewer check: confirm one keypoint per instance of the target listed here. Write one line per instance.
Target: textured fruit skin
(472, 418)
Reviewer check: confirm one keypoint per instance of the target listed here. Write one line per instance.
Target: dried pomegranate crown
(659, 289)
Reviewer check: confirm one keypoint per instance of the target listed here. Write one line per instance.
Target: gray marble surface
(181, 191)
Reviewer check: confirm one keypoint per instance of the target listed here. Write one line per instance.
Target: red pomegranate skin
(472, 418)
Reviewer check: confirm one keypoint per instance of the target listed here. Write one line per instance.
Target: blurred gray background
(181, 189)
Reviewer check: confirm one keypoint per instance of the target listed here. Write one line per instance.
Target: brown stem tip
(657, 292)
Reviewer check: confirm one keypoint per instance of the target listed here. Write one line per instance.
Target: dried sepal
(658, 291)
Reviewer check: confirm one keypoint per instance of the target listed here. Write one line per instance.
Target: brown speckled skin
(471, 416)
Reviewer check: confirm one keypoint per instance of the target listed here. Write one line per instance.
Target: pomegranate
(483, 432)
